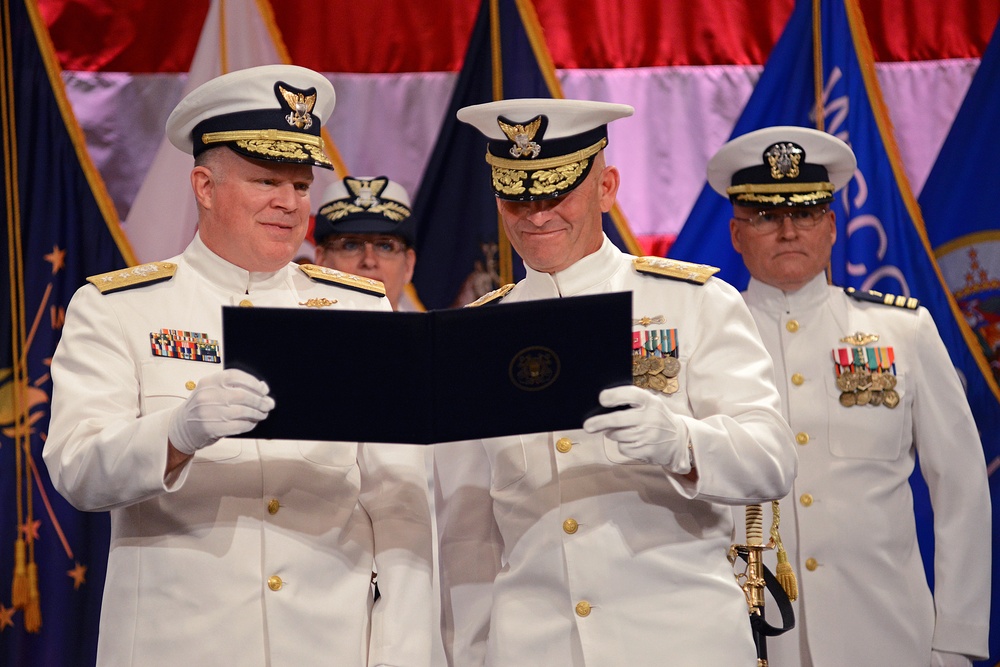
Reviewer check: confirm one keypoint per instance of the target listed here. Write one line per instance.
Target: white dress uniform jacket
(600, 559)
(848, 525)
(256, 552)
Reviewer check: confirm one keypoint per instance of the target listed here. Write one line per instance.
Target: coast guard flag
(881, 243)
(462, 251)
(60, 227)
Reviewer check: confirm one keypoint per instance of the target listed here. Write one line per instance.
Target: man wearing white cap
(607, 544)
(364, 226)
(228, 551)
(866, 384)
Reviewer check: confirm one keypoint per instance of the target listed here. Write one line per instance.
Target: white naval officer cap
(541, 148)
(365, 205)
(272, 112)
(781, 166)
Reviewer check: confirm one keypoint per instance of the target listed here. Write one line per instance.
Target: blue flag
(60, 227)
(881, 242)
(959, 207)
(462, 252)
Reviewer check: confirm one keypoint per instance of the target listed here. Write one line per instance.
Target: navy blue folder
(431, 377)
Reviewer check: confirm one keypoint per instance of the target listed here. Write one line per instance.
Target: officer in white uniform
(364, 226)
(866, 384)
(607, 544)
(233, 551)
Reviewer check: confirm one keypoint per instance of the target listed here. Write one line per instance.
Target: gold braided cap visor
(270, 144)
(779, 188)
(792, 194)
(541, 179)
(546, 163)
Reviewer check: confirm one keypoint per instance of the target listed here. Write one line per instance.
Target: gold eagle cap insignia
(784, 158)
(301, 106)
(366, 192)
(523, 136)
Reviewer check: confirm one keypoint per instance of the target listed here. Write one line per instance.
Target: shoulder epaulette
(676, 269)
(136, 276)
(491, 297)
(324, 274)
(885, 299)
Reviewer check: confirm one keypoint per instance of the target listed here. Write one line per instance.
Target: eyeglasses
(769, 221)
(354, 246)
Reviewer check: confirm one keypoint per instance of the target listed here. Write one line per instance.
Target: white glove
(946, 659)
(226, 403)
(646, 430)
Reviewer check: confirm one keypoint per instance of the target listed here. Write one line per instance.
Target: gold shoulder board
(676, 269)
(872, 296)
(136, 276)
(496, 295)
(349, 280)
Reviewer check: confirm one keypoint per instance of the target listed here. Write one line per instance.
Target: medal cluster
(656, 373)
(866, 388)
(865, 376)
(655, 363)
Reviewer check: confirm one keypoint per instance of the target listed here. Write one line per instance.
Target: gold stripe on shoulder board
(490, 297)
(327, 275)
(676, 269)
(871, 296)
(144, 274)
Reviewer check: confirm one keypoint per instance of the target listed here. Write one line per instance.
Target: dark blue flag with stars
(60, 228)
(462, 252)
(959, 206)
(881, 239)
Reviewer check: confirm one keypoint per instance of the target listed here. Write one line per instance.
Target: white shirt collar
(588, 272)
(773, 299)
(225, 275)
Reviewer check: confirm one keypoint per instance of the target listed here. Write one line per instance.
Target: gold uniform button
(246, 303)
(792, 326)
(802, 438)
(797, 379)
(811, 564)
(273, 506)
(583, 608)
(274, 583)
(563, 445)
(570, 526)
(190, 385)
(806, 499)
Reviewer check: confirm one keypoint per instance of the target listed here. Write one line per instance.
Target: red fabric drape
(415, 36)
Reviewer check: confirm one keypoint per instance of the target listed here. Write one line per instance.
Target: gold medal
(641, 381)
(673, 384)
(656, 365)
(671, 366)
(844, 382)
(657, 382)
(890, 399)
(864, 397)
(864, 380)
(848, 399)
(877, 398)
(640, 365)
